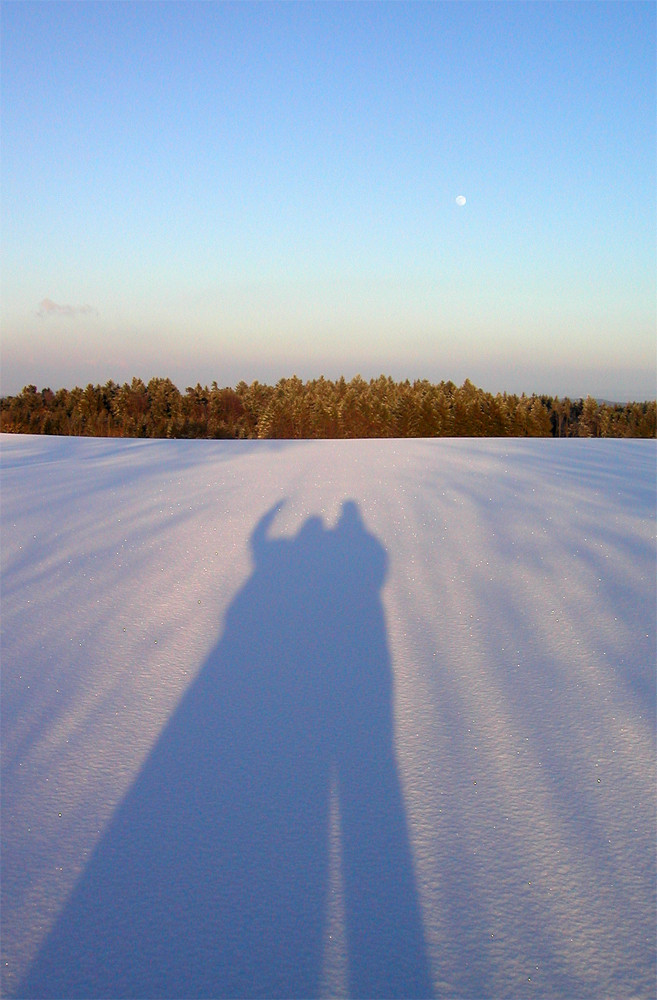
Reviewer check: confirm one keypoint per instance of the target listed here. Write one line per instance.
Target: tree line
(319, 408)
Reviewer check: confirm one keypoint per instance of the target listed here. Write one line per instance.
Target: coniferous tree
(317, 408)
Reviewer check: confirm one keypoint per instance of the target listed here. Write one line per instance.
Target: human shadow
(212, 877)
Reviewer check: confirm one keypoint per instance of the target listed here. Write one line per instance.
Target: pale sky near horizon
(224, 191)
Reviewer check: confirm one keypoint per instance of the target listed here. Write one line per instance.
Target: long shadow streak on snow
(212, 878)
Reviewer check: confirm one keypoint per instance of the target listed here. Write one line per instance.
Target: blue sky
(237, 191)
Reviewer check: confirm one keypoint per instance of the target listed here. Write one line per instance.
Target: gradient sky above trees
(237, 191)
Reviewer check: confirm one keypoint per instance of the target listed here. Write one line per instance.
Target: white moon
(460, 200)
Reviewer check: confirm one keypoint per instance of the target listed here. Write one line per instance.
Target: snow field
(518, 622)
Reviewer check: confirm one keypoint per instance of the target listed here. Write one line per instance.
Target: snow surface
(362, 718)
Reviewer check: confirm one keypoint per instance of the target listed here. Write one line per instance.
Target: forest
(319, 408)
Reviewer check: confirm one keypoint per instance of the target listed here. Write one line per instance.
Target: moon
(460, 200)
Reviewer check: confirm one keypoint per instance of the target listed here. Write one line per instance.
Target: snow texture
(297, 719)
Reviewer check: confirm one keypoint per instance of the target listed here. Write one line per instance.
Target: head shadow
(211, 879)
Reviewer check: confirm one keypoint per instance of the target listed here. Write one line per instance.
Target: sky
(217, 191)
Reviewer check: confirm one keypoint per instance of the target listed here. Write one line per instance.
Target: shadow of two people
(212, 878)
